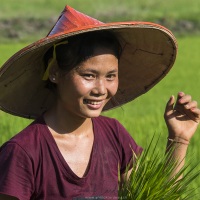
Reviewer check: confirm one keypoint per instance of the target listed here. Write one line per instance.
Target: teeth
(92, 102)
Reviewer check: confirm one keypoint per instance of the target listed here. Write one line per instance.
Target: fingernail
(181, 93)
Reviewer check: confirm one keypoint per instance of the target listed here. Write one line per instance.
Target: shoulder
(115, 132)
(107, 122)
(111, 128)
(28, 139)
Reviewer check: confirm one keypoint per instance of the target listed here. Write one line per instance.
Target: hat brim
(149, 52)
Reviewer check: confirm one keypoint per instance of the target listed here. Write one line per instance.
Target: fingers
(185, 101)
(186, 106)
(170, 106)
(196, 112)
(182, 98)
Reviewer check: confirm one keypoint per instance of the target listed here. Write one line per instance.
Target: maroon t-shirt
(32, 167)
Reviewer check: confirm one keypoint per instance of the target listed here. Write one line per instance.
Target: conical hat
(149, 52)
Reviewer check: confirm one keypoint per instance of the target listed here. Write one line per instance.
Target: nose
(99, 88)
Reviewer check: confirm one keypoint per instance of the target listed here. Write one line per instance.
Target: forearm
(178, 148)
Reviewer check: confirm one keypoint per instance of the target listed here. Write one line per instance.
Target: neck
(65, 123)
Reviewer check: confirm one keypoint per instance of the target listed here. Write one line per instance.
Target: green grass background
(103, 9)
(142, 117)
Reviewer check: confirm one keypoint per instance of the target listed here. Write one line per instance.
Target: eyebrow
(96, 72)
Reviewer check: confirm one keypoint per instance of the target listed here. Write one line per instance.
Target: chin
(91, 113)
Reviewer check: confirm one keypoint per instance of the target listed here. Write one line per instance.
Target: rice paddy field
(142, 117)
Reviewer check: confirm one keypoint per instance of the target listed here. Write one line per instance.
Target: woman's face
(86, 89)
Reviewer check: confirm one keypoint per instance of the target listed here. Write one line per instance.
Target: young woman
(70, 151)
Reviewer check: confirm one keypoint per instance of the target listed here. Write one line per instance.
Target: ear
(54, 73)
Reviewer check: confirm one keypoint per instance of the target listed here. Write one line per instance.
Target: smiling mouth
(92, 102)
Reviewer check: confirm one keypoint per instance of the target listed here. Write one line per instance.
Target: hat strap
(46, 73)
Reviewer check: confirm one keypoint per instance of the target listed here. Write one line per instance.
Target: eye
(88, 76)
(111, 77)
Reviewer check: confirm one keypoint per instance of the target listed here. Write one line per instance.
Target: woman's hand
(183, 118)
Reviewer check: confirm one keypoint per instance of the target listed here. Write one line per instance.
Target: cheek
(82, 86)
(113, 87)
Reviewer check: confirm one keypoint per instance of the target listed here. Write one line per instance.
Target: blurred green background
(30, 20)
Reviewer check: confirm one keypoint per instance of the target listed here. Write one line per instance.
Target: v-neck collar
(63, 163)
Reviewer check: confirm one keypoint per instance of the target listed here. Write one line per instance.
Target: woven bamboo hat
(149, 52)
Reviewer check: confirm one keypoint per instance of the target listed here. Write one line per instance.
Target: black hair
(81, 47)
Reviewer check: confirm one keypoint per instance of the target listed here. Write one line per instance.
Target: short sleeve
(129, 148)
(16, 173)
